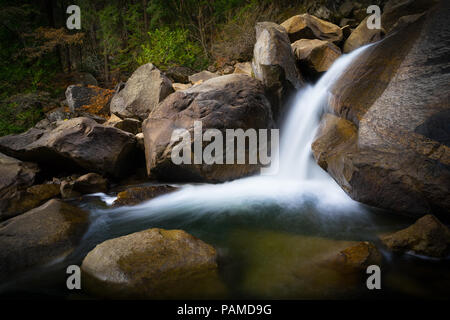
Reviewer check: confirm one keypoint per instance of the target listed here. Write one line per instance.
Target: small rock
(181, 86)
(90, 183)
(202, 76)
(179, 74)
(129, 125)
(428, 236)
(153, 263)
(243, 68)
(227, 70)
(136, 195)
(39, 236)
(323, 13)
(315, 56)
(66, 190)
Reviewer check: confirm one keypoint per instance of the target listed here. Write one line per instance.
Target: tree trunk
(144, 4)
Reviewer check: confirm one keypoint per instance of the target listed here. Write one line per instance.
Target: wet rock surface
(153, 263)
(428, 237)
(39, 236)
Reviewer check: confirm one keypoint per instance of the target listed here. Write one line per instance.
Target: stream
(270, 230)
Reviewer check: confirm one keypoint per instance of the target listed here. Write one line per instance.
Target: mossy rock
(155, 264)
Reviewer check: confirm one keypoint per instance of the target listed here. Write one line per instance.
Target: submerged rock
(394, 154)
(428, 236)
(227, 102)
(146, 87)
(79, 142)
(39, 236)
(136, 195)
(154, 263)
(306, 26)
(356, 259)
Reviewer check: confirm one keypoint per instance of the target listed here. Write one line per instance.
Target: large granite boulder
(274, 63)
(428, 236)
(146, 87)
(153, 263)
(79, 142)
(227, 102)
(314, 57)
(392, 148)
(306, 26)
(39, 236)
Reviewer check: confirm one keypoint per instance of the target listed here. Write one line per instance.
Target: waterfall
(299, 179)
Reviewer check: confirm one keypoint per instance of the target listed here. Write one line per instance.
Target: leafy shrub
(167, 48)
(12, 121)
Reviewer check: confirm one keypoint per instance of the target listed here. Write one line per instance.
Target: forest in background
(38, 53)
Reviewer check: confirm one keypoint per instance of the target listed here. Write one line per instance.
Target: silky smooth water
(271, 231)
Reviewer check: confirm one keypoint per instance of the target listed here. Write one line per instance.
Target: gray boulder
(79, 142)
(274, 63)
(227, 102)
(146, 87)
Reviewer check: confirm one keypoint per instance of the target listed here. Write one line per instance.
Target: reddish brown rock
(428, 236)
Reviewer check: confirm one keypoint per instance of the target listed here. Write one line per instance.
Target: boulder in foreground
(40, 235)
(153, 263)
(428, 237)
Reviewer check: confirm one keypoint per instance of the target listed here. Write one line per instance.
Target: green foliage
(14, 121)
(167, 48)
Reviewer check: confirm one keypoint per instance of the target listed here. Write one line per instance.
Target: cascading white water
(299, 178)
